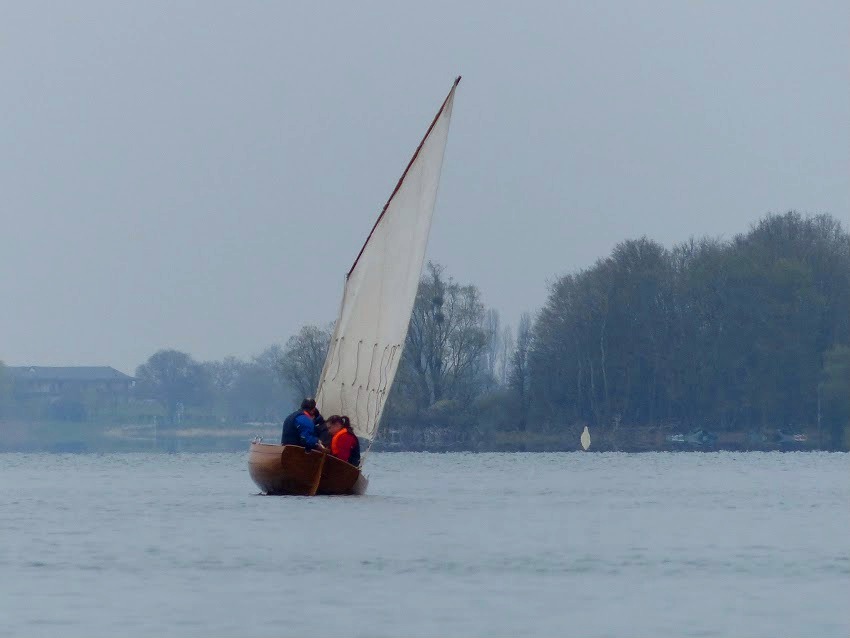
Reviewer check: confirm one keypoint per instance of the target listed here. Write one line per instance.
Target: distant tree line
(742, 334)
(746, 334)
(231, 390)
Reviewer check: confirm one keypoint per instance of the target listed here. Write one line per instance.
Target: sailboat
(369, 334)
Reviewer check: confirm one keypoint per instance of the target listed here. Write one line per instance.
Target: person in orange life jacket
(344, 444)
(299, 428)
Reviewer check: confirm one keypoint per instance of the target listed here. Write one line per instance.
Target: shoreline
(196, 438)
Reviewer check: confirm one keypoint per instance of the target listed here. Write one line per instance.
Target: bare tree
(494, 337)
(303, 358)
(173, 378)
(503, 363)
(447, 341)
(250, 390)
(520, 378)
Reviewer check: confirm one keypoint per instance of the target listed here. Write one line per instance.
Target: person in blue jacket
(299, 428)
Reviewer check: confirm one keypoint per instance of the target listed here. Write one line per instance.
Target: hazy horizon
(200, 176)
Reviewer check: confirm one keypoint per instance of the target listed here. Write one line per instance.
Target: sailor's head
(334, 424)
(309, 405)
(337, 423)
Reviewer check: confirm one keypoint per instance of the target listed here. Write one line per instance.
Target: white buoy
(585, 438)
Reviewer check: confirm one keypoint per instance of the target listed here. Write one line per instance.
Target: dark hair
(342, 420)
(308, 404)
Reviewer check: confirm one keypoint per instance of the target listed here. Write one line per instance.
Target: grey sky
(200, 175)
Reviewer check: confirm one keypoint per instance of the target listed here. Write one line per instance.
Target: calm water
(453, 544)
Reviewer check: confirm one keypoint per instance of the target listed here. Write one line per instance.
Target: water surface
(659, 544)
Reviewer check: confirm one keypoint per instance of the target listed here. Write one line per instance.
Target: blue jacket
(299, 429)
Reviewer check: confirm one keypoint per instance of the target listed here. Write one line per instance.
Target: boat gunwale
(255, 445)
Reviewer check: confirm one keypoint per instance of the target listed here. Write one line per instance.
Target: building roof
(75, 373)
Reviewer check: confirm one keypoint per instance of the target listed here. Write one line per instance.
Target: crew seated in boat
(344, 444)
(299, 428)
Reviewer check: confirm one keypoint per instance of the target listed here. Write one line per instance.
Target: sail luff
(333, 345)
(404, 174)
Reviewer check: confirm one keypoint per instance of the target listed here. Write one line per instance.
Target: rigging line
(382, 381)
(357, 364)
(390, 363)
(382, 368)
(368, 418)
(380, 401)
(385, 375)
(377, 412)
(379, 409)
(381, 396)
(338, 357)
(357, 401)
(371, 365)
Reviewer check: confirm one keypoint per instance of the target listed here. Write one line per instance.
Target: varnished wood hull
(290, 469)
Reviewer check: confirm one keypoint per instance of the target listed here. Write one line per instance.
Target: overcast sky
(200, 175)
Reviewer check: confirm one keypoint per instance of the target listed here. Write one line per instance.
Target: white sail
(585, 438)
(380, 289)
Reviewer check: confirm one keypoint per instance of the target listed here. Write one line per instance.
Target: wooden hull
(291, 469)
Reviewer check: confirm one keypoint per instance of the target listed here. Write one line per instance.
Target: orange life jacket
(344, 445)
